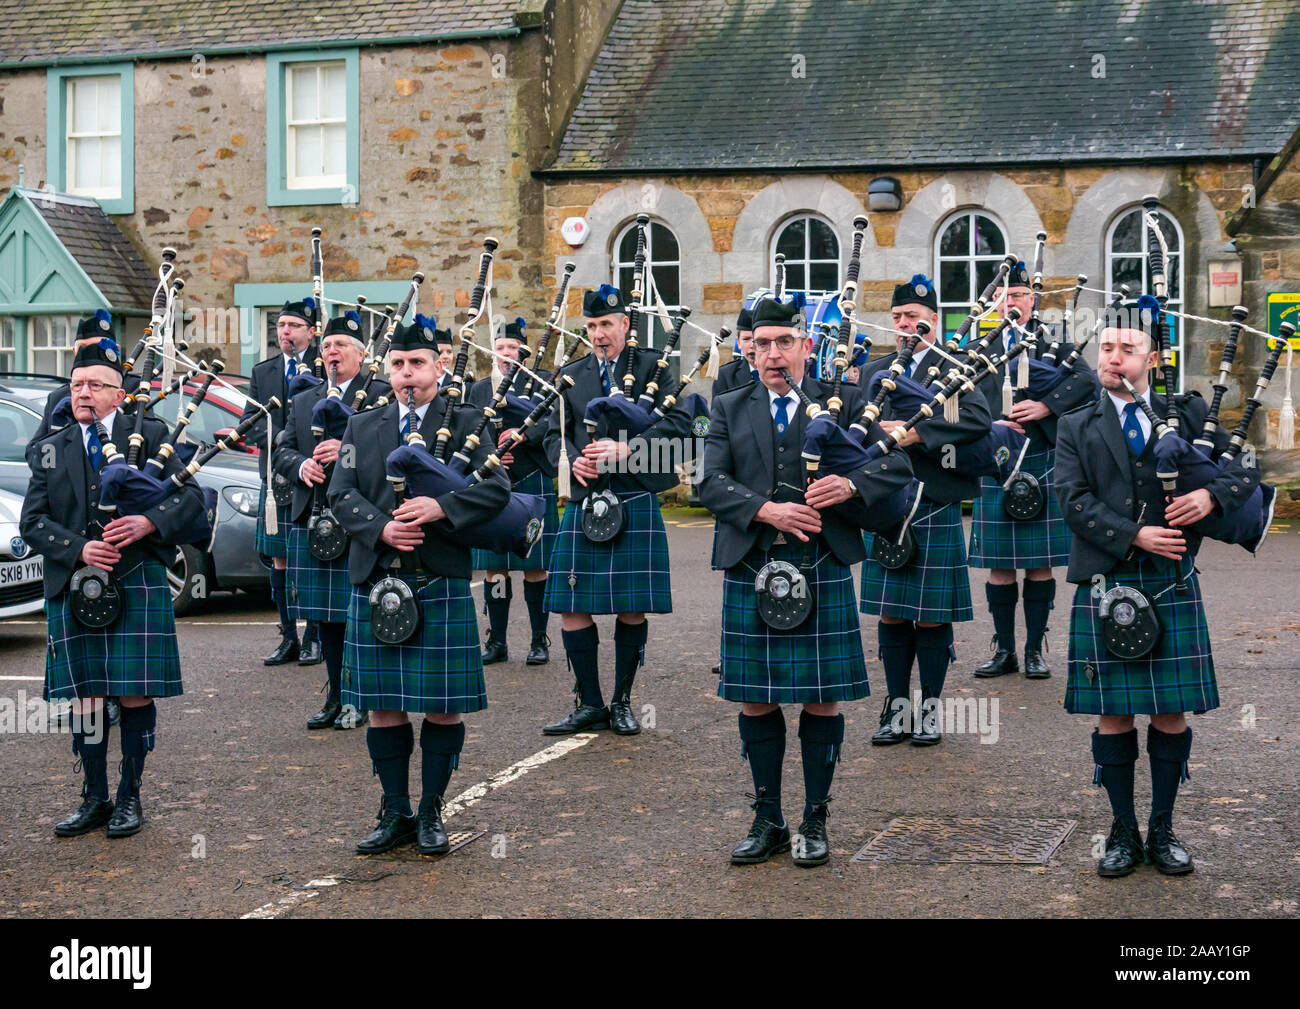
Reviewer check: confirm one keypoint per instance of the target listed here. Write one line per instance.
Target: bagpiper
(1126, 554)
(531, 472)
(134, 657)
(319, 589)
(293, 332)
(1006, 543)
(770, 516)
(919, 602)
(62, 396)
(438, 669)
(627, 575)
(740, 370)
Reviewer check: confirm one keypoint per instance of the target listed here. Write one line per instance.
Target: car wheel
(186, 571)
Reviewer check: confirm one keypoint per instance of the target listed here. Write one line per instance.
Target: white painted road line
(471, 796)
(38, 679)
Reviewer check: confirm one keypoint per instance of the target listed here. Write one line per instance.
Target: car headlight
(242, 499)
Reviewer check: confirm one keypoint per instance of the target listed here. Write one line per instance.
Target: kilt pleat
(935, 585)
(440, 669)
(818, 662)
(629, 574)
(318, 590)
(999, 541)
(539, 559)
(264, 542)
(1177, 676)
(136, 656)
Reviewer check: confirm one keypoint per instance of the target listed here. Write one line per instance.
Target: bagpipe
(552, 325)
(326, 538)
(378, 349)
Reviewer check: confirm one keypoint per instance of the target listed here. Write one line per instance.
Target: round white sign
(574, 230)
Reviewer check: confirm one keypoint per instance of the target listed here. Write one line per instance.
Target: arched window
(812, 255)
(664, 257)
(1126, 263)
(970, 246)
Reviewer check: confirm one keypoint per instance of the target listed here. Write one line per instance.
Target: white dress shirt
(1144, 422)
(106, 420)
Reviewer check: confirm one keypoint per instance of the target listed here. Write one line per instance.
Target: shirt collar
(106, 420)
(1120, 404)
(773, 396)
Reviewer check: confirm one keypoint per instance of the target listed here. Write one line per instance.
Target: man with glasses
(740, 370)
(756, 484)
(89, 331)
(1035, 545)
(297, 353)
(135, 657)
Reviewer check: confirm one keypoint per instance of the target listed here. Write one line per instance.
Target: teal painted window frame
(56, 113)
(278, 193)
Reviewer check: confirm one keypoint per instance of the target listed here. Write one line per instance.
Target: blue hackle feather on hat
(921, 280)
(605, 290)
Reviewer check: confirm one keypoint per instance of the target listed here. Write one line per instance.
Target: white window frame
(1176, 299)
(73, 137)
(40, 328)
(8, 343)
(971, 257)
(617, 264)
(806, 261)
(291, 126)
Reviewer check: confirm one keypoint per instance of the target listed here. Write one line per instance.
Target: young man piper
(135, 657)
(756, 484)
(627, 575)
(438, 671)
(1125, 534)
(740, 370)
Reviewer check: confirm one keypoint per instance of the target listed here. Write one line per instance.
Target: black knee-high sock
(820, 740)
(1038, 606)
(1002, 605)
(933, 653)
(331, 649)
(440, 747)
(496, 601)
(534, 594)
(897, 650)
(762, 743)
(583, 651)
(629, 655)
(280, 593)
(90, 744)
(1115, 755)
(1168, 752)
(390, 755)
(138, 727)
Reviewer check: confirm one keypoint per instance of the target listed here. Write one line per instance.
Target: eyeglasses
(91, 385)
(784, 344)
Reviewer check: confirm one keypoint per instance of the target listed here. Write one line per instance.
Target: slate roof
(714, 84)
(100, 249)
(45, 31)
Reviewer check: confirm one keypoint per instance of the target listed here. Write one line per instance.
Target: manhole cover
(458, 839)
(991, 840)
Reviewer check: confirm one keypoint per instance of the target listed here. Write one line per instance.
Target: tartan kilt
(265, 543)
(935, 584)
(629, 574)
(538, 483)
(134, 657)
(999, 541)
(818, 662)
(318, 590)
(440, 669)
(1177, 676)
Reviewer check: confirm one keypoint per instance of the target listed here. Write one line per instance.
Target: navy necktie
(1133, 430)
(782, 418)
(754, 372)
(907, 372)
(95, 449)
(409, 425)
(293, 367)
(604, 376)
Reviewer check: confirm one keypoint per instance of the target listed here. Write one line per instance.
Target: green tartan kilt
(318, 590)
(818, 662)
(439, 669)
(935, 584)
(629, 574)
(535, 482)
(999, 541)
(266, 544)
(1177, 676)
(136, 656)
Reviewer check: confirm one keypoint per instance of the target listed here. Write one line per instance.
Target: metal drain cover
(458, 839)
(990, 840)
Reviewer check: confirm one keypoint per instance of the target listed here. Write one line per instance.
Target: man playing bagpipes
(919, 601)
(772, 522)
(1138, 641)
(627, 574)
(531, 472)
(1004, 536)
(740, 369)
(294, 332)
(436, 666)
(89, 331)
(96, 649)
(319, 588)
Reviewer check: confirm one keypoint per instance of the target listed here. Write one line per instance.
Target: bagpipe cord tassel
(1022, 371)
(711, 368)
(272, 515)
(950, 409)
(1286, 419)
(563, 480)
(1008, 394)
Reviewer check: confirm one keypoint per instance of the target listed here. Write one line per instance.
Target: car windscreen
(17, 426)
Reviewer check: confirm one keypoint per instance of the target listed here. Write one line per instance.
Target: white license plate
(17, 572)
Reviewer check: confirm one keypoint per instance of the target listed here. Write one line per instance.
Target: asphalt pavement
(248, 813)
